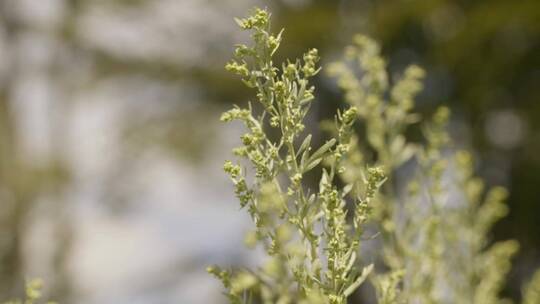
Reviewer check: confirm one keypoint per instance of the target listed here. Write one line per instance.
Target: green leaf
(347, 189)
(363, 276)
(239, 21)
(311, 165)
(320, 152)
(305, 157)
(305, 144)
(407, 153)
(350, 265)
(324, 178)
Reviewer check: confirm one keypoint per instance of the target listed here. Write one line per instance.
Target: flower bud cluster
(259, 20)
(235, 114)
(286, 221)
(310, 63)
(239, 69)
(243, 193)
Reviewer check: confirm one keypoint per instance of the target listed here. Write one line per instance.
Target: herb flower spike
(310, 245)
(435, 251)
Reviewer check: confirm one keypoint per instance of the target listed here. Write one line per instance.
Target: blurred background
(111, 187)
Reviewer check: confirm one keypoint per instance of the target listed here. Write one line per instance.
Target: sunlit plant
(305, 232)
(434, 236)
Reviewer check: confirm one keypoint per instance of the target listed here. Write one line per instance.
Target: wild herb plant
(312, 249)
(435, 237)
(435, 243)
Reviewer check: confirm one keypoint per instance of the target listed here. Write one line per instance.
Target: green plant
(442, 223)
(312, 249)
(434, 236)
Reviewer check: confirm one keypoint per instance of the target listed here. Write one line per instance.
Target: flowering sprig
(311, 247)
(435, 238)
(435, 241)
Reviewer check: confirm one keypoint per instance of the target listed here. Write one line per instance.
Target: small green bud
(247, 139)
(235, 113)
(498, 194)
(259, 20)
(441, 115)
(350, 115)
(283, 233)
(240, 151)
(232, 170)
(273, 42)
(242, 51)
(296, 179)
(213, 270)
(274, 121)
(310, 60)
(242, 281)
(251, 239)
(290, 70)
(376, 174)
(308, 95)
(239, 69)
(464, 159)
(342, 148)
(415, 72)
(279, 88)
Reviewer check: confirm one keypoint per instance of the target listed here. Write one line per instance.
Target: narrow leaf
(312, 165)
(239, 21)
(320, 152)
(365, 272)
(347, 189)
(305, 144)
(303, 160)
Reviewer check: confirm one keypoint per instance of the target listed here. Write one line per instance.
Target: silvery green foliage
(311, 247)
(435, 238)
(435, 242)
